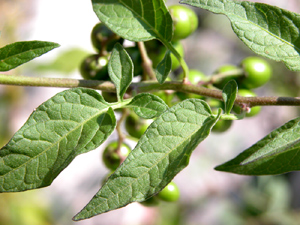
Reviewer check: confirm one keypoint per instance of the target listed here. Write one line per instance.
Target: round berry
(226, 69)
(94, 67)
(103, 38)
(170, 193)
(185, 21)
(157, 51)
(114, 156)
(254, 110)
(136, 126)
(257, 72)
(222, 126)
(109, 96)
(195, 76)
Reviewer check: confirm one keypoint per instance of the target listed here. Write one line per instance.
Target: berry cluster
(253, 72)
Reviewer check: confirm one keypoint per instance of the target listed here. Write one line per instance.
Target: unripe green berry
(226, 69)
(113, 157)
(254, 110)
(94, 67)
(170, 193)
(257, 72)
(157, 51)
(103, 38)
(185, 21)
(136, 126)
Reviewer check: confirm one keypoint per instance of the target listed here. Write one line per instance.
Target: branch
(147, 86)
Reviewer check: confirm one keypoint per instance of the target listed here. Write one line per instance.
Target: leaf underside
(120, 69)
(14, 55)
(147, 105)
(229, 95)
(70, 123)
(277, 153)
(164, 68)
(162, 152)
(267, 30)
(135, 20)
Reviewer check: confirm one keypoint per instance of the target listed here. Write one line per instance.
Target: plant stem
(180, 59)
(118, 127)
(216, 77)
(147, 63)
(147, 86)
(56, 82)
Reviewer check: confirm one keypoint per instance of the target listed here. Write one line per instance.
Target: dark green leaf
(138, 20)
(229, 95)
(16, 54)
(276, 153)
(163, 68)
(162, 152)
(70, 123)
(120, 69)
(147, 105)
(267, 30)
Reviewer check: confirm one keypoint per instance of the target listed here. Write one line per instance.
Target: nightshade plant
(79, 120)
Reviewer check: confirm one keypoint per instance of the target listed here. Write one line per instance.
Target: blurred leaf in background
(65, 63)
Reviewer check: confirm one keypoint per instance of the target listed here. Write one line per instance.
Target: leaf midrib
(18, 54)
(53, 144)
(267, 31)
(229, 15)
(284, 148)
(145, 21)
(165, 155)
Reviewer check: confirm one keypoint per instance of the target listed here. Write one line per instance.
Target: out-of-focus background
(207, 197)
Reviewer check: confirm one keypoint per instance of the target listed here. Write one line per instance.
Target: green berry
(170, 193)
(222, 126)
(94, 67)
(254, 110)
(195, 76)
(257, 72)
(226, 69)
(109, 96)
(185, 21)
(113, 157)
(103, 38)
(136, 126)
(157, 51)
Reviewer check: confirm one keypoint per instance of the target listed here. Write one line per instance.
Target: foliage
(79, 120)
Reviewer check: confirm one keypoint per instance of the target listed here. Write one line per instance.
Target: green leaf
(163, 68)
(147, 105)
(120, 70)
(267, 30)
(70, 123)
(162, 152)
(138, 20)
(276, 153)
(16, 54)
(229, 95)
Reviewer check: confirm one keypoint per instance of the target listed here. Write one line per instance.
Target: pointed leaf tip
(161, 153)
